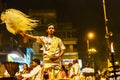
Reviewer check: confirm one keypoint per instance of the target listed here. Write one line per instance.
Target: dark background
(85, 15)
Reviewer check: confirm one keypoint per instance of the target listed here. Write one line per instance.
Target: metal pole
(107, 35)
(89, 53)
(106, 27)
(88, 47)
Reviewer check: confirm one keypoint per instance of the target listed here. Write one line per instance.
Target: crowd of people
(36, 71)
(39, 73)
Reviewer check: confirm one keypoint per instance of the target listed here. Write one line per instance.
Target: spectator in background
(35, 73)
(64, 72)
(24, 71)
(31, 66)
(106, 75)
(76, 70)
(97, 76)
(70, 70)
(2, 70)
(88, 72)
(25, 68)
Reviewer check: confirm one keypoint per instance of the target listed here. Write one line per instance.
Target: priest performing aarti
(52, 46)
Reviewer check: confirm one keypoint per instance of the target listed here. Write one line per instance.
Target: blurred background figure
(2, 70)
(35, 73)
(88, 72)
(106, 75)
(31, 66)
(70, 70)
(97, 76)
(76, 70)
(64, 72)
(25, 70)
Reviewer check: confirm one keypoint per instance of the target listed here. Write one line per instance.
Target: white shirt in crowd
(88, 70)
(35, 73)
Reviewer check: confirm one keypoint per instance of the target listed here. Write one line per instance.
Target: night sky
(85, 15)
